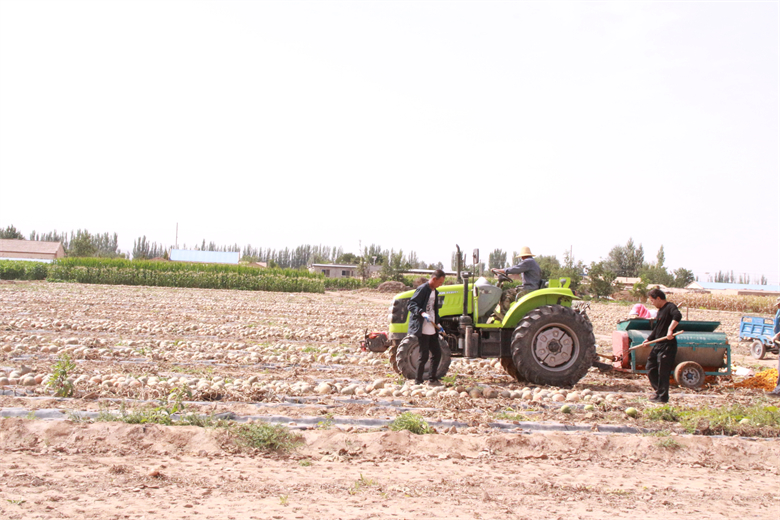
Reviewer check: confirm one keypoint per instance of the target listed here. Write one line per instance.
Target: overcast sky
(412, 125)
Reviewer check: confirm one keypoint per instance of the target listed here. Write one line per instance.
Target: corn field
(154, 265)
(169, 274)
(722, 302)
(22, 270)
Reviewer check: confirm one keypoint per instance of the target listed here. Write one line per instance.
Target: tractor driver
(532, 273)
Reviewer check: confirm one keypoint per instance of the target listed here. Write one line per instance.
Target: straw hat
(525, 251)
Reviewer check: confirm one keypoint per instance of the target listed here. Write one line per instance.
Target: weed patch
(266, 437)
(412, 422)
(734, 419)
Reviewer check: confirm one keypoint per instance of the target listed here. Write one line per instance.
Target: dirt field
(292, 359)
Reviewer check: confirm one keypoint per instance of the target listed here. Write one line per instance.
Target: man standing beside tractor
(660, 362)
(424, 324)
(532, 273)
(776, 338)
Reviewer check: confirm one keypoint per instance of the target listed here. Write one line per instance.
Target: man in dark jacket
(424, 323)
(660, 362)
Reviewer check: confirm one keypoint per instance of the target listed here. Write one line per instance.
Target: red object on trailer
(620, 345)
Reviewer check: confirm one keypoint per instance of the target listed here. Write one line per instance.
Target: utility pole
(177, 235)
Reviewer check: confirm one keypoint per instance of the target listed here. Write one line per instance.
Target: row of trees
(728, 277)
(78, 243)
(622, 261)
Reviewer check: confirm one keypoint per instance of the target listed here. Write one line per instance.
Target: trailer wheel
(407, 356)
(689, 374)
(758, 350)
(553, 345)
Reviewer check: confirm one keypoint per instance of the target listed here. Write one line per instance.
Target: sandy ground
(111, 470)
(65, 469)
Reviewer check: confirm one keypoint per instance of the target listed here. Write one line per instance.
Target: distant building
(627, 281)
(33, 250)
(735, 288)
(334, 270)
(428, 272)
(204, 257)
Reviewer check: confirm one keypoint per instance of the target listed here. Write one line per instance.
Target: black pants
(660, 364)
(777, 388)
(428, 344)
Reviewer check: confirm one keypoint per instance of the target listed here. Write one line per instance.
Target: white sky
(413, 125)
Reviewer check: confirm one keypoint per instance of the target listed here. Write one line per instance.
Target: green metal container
(699, 343)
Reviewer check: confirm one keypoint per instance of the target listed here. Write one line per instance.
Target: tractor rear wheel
(407, 357)
(509, 367)
(553, 345)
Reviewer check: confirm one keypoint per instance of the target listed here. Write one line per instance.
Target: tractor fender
(532, 300)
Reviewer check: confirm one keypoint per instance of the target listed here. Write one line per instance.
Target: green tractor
(538, 336)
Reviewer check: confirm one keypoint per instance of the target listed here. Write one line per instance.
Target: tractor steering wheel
(501, 276)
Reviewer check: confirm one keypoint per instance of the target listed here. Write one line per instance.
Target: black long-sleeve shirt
(666, 315)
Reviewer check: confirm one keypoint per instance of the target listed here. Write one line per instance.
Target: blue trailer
(761, 331)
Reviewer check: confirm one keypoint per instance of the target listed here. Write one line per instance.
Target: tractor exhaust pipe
(467, 341)
(459, 266)
(466, 294)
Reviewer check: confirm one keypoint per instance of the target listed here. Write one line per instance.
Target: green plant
(18, 501)
(668, 443)
(361, 483)
(31, 415)
(723, 419)
(449, 379)
(640, 289)
(326, 423)
(411, 422)
(511, 415)
(283, 500)
(663, 413)
(305, 463)
(59, 380)
(726, 419)
(266, 437)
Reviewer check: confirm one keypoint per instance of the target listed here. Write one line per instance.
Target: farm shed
(751, 289)
(334, 270)
(33, 250)
(204, 257)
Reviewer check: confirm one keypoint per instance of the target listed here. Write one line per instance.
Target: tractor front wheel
(407, 357)
(393, 360)
(553, 345)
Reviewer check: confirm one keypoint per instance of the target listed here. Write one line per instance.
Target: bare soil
(66, 469)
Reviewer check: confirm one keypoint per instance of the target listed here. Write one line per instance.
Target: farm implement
(701, 351)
